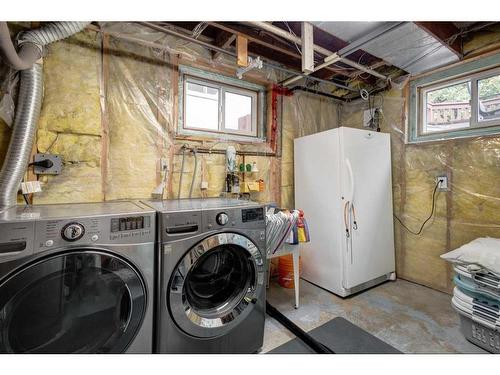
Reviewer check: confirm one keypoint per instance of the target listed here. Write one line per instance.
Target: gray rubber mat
(342, 337)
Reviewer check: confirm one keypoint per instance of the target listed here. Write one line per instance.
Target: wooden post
(307, 48)
(105, 50)
(242, 50)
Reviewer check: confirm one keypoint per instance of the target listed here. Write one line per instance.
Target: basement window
(213, 105)
(463, 101)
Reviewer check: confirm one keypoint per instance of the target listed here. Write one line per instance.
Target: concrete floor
(410, 317)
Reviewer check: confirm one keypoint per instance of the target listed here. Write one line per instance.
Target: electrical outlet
(442, 182)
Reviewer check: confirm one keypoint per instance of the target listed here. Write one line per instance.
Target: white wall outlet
(204, 185)
(442, 182)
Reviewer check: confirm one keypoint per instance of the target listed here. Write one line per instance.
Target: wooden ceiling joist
(446, 33)
(223, 39)
(276, 49)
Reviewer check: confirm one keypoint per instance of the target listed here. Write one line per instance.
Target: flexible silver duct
(28, 107)
(52, 32)
(23, 133)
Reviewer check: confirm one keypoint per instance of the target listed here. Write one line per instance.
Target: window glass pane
(202, 107)
(238, 112)
(448, 108)
(489, 98)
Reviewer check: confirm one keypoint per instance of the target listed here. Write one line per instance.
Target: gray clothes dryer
(77, 278)
(211, 292)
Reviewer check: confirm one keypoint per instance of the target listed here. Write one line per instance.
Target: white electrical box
(442, 183)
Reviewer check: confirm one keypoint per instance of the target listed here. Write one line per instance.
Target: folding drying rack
(277, 233)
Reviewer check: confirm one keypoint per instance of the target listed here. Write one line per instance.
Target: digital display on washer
(130, 223)
(252, 214)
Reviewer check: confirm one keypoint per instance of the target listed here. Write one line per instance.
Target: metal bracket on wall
(47, 164)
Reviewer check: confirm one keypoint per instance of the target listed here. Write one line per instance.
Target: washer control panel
(234, 218)
(222, 218)
(72, 232)
(252, 214)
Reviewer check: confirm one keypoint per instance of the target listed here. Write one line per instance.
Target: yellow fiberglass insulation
(137, 135)
(70, 121)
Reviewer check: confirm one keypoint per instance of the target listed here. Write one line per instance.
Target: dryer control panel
(103, 230)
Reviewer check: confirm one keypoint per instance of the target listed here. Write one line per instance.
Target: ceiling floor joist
(446, 33)
(233, 54)
(327, 53)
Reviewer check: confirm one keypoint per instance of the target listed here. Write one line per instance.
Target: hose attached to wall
(31, 44)
(182, 172)
(194, 172)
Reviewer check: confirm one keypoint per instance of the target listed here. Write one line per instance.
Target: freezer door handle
(351, 180)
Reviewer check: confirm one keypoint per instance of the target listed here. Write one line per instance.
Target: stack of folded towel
(476, 295)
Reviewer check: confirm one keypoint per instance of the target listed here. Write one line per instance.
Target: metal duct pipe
(21, 60)
(23, 133)
(29, 103)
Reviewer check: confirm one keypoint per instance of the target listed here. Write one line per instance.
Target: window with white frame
(448, 105)
(213, 104)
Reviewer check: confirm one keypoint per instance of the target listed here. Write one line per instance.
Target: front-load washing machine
(77, 278)
(211, 293)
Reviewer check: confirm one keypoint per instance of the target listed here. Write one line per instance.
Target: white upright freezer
(343, 184)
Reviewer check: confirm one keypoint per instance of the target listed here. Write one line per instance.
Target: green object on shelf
(249, 167)
(242, 167)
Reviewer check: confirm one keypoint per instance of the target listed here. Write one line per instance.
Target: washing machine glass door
(83, 301)
(215, 285)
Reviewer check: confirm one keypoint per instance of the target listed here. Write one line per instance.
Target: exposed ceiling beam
(231, 53)
(270, 43)
(307, 48)
(223, 39)
(352, 47)
(327, 53)
(446, 33)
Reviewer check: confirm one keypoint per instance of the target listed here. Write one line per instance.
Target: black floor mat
(342, 337)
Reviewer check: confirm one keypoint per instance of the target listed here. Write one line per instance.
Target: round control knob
(73, 231)
(49, 243)
(222, 218)
(94, 238)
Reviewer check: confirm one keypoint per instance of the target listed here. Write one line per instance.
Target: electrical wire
(194, 172)
(182, 171)
(291, 32)
(428, 218)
